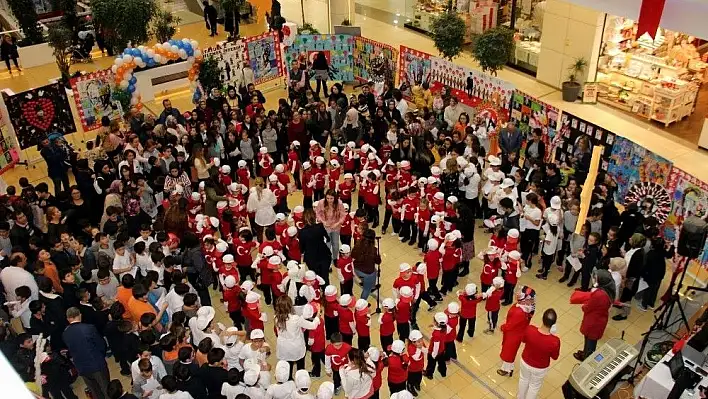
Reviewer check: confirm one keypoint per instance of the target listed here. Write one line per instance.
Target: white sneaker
(524, 269)
(394, 234)
(400, 239)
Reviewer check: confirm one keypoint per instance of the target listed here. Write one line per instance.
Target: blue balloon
(133, 80)
(131, 88)
(126, 51)
(190, 52)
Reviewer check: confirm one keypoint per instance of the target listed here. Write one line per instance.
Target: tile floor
(478, 357)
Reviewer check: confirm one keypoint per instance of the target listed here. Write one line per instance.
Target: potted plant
(307, 29)
(210, 74)
(492, 49)
(124, 21)
(164, 25)
(27, 18)
(346, 22)
(448, 32)
(571, 88)
(60, 39)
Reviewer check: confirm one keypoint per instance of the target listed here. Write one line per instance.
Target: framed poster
(413, 67)
(93, 98)
(576, 138)
(374, 61)
(631, 163)
(36, 113)
(530, 113)
(264, 56)
(232, 58)
(337, 49)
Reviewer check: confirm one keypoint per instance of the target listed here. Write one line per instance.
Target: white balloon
(114, 68)
(195, 44)
(165, 45)
(127, 58)
(157, 58)
(174, 49)
(183, 54)
(197, 53)
(138, 60)
(185, 40)
(119, 61)
(150, 53)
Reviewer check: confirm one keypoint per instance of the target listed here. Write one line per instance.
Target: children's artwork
(36, 113)
(374, 61)
(631, 163)
(530, 113)
(232, 58)
(470, 86)
(574, 145)
(690, 198)
(338, 49)
(652, 198)
(92, 95)
(9, 153)
(413, 67)
(264, 56)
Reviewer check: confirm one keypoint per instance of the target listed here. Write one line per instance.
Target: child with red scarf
(405, 179)
(315, 150)
(320, 174)
(232, 300)
(284, 181)
(265, 161)
(281, 224)
(362, 319)
(409, 207)
(390, 177)
(451, 254)
(421, 294)
(331, 311)
(490, 269)
(265, 267)
(243, 174)
(349, 158)
(255, 319)
(422, 220)
(334, 171)
(393, 212)
(243, 245)
(280, 191)
(293, 244)
(436, 351)
(370, 191)
(315, 339)
(468, 310)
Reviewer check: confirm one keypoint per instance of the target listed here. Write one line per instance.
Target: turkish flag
(649, 17)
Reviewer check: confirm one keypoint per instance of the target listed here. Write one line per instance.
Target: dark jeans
(493, 319)
(394, 387)
(439, 361)
(267, 296)
(649, 295)
(527, 240)
(7, 62)
(201, 288)
(323, 83)
(433, 287)
(58, 182)
(212, 27)
(363, 342)
(508, 292)
(297, 365)
(348, 338)
(404, 329)
(331, 326)
(547, 262)
(97, 383)
(317, 359)
(386, 341)
(450, 350)
(414, 380)
(346, 287)
(470, 323)
(448, 281)
(589, 347)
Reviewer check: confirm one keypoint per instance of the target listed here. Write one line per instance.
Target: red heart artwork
(30, 109)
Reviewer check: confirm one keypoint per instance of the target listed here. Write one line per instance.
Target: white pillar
(569, 32)
(339, 10)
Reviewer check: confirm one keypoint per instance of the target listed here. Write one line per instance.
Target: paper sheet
(574, 262)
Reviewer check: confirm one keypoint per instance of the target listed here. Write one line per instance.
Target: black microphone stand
(377, 287)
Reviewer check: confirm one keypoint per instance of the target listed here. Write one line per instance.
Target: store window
(658, 80)
(525, 17)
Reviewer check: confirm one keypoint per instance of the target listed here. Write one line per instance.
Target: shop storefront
(658, 80)
(525, 17)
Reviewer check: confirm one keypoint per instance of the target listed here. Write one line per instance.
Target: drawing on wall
(92, 95)
(631, 163)
(339, 50)
(232, 58)
(374, 61)
(264, 56)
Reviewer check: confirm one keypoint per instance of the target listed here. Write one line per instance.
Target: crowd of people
(176, 214)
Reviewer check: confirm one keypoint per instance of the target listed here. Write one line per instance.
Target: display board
(413, 67)
(9, 151)
(264, 56)
(232, 58)
(338, 50)
(690, 198)
(577, 137)
(36, 113)
(374, 61)
(93, 98)
(631, 163)
(530, 113)
(470, 86)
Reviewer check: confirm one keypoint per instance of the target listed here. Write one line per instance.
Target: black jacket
(213, 378)
(313, 240)
(210, 13)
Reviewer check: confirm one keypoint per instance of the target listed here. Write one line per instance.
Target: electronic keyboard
(595, 372)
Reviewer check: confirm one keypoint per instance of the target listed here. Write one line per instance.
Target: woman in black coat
(314, 239)
(8, 51)
(194, 265)
(654, 271)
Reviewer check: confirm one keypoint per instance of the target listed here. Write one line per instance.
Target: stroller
(81, 51)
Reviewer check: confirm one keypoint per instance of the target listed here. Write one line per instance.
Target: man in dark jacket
(210, 17)
(167, 111)
(88, 351)
(56, 167)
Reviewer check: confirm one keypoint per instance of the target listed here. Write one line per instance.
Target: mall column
(339, 10)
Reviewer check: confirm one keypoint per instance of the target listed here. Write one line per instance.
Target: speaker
(692, 237)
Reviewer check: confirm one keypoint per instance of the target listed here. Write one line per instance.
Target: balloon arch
(156, 55)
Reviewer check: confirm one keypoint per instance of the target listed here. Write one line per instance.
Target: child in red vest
(243, 174)
(308, 185)
(336, 356)
(433, 264)
(252, 312)
(423, 217)
(346, 188)
(490, 269)
(416, 361)
(493, 304)
(284, 180)
(265, 161)
(232, 300)
(371, 198)
(436, 350)
(512, 272)
(294, 163)
(347, 325)
(320, 173)
(334, 171)
(345, 232)
(349, 156)
(397, 361)
(263, 265)
(345, 270)
(468, 310)
(363, 324)
(451, 254)
(331, 310)
(403, 312)
(453, 319)
(421, 295)
(409, 208)
(393, 213)
(386, 322)
(281, 224)
(293, 246)
(243, 246)
(315, 340)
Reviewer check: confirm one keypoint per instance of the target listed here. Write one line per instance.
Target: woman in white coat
(261, 202)
(357, 376)
(289, 327)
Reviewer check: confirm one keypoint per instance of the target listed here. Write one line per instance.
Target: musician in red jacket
(596, 312)
(397, 367)
(540, 346)
(517, 319)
